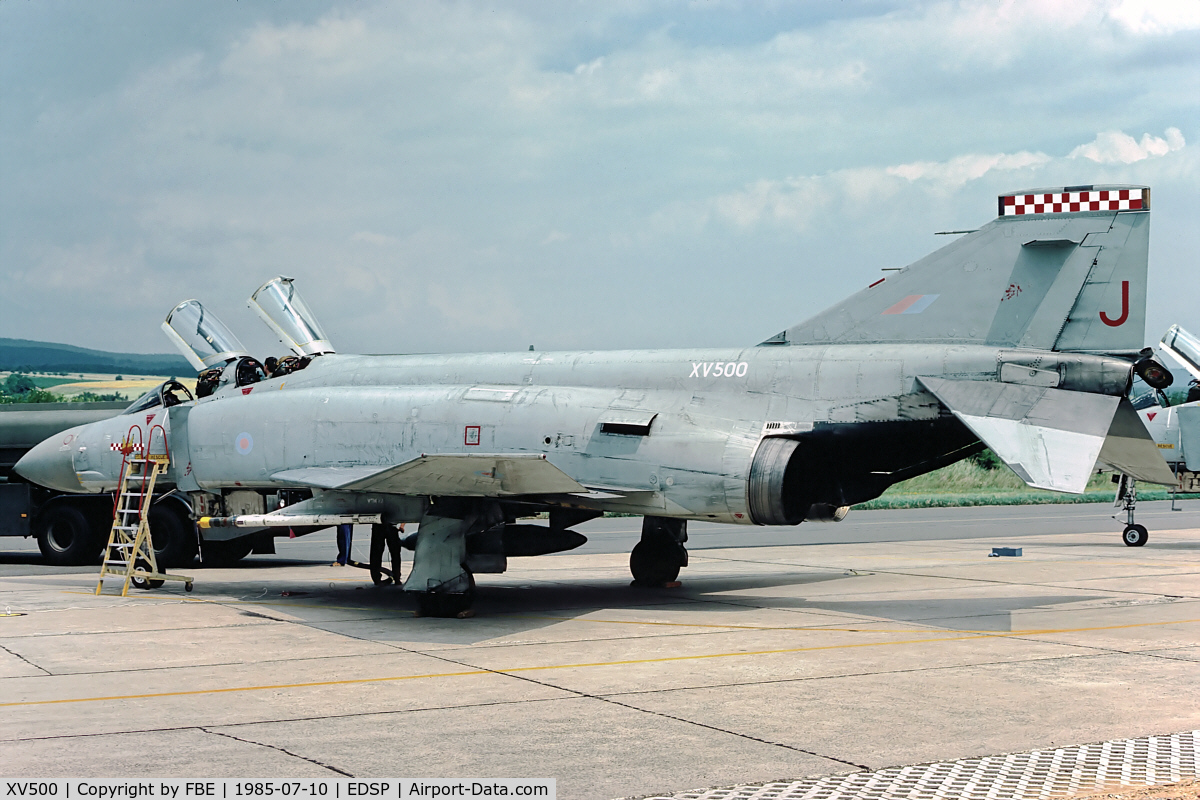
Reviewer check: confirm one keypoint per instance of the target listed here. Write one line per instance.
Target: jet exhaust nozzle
(1153, 373)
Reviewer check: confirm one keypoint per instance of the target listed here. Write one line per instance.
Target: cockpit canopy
(203, 339)
(1184, 347)
(282, 308)
(166, 394)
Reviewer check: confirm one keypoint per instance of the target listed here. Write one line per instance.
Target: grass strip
(946, 500)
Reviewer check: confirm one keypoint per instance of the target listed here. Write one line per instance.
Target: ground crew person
(380, 534)
(345, 537)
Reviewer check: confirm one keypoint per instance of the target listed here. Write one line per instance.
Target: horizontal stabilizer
(1050, 437)
(445, 475)
(1130, 449)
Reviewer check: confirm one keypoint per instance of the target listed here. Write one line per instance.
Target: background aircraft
(1176, 431)
(1023, 335)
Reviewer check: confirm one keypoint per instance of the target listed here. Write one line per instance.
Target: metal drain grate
(1065, 771)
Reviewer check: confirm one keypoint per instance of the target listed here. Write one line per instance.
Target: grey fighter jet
(1175, 428)
(1023, 335)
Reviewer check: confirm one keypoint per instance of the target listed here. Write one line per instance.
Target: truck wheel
(145, 584)
(173, 535)
(65, 537)
(225, 553)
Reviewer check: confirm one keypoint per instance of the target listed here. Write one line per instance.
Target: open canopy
(202, 338)
(286, 313)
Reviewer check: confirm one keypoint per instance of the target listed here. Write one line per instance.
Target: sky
(470, 176)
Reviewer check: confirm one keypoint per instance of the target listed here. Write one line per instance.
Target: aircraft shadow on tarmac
(507, 608)
(1173, 545)
(953, 613)
(519, 609)
(515, 608)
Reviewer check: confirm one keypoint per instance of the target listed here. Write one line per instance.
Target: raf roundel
(244, 443)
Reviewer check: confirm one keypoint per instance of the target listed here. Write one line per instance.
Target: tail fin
(1058, 269)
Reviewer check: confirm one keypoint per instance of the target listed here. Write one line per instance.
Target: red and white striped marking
(1013, 205)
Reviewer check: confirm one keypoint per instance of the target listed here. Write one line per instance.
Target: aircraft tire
(66, 538)
(1135, 535)
(655, 563)
(445, 604)
(225, 553)
(432, 604)
(173, 535)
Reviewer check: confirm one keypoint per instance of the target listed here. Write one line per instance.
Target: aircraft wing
(1050, 437)
(445, 475)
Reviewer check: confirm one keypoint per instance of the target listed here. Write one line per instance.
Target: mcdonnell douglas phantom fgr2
(1022, 336)
(1175, 428)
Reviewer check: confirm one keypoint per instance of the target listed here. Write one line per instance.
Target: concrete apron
(768, 663)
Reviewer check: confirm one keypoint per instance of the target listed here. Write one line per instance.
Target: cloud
(1117, 147)
(793, 201)
(1156, 17)
(388, 154)
(796, 202)
(961, 169)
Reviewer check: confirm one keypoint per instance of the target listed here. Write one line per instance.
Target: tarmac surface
(888, 639)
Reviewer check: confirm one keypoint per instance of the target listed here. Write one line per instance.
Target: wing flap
(327, 477)
(1050, 437)
(446, 475)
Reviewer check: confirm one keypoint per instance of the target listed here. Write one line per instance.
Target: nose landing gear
(1134, 535)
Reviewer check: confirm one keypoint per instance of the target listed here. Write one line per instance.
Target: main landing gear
(658, 557)
(1134, 535)
(440, 581)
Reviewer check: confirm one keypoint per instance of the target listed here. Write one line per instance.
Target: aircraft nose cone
(49, 464)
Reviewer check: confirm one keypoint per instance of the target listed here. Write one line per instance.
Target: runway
(888, 639)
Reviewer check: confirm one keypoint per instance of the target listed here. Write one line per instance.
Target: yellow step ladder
(129, 554)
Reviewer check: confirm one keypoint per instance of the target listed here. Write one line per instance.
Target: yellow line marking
(733, 627)
(864, 627)
(584, 665)
(218, 602)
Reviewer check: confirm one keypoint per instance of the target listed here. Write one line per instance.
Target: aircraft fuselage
(703, 412)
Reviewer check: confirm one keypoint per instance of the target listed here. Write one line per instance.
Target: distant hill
(23, 355)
